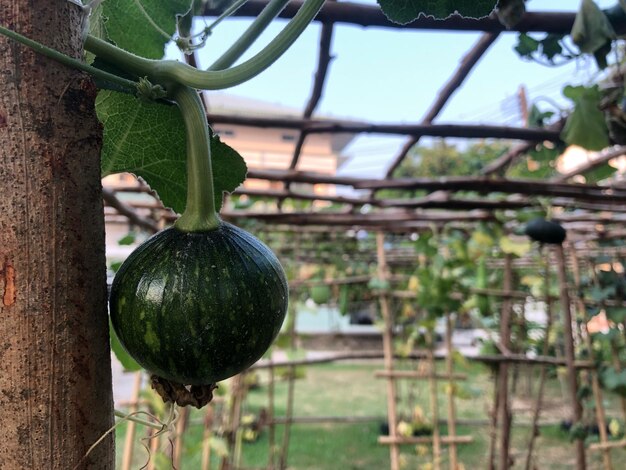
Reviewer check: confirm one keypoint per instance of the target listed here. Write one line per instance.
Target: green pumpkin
(545, 231)
(199, 307)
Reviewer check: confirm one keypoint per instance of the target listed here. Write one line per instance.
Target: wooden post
(291, 389)
(154, 448)
(129, 439)
(434, 405)
(271, 418)
(595, 382)
(493, 425)
(534, 428)
(392, 416)
(55, 370)
(577, 410)
(207, 434)
(451, 392)
(181, 425)
(504, 408)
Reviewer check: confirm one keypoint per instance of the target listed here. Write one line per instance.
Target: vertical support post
(56, 396)
(595, 382)
(451, 391)
(577, 411)
(206, 437)
(392, 417)
(284, 453)
(181, 426)
(534, 432)
(271, 417)
(434, 405)
(129, 439)
(504, 408)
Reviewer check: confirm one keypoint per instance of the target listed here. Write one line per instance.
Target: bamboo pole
(284, 451)
(271, 418)
(451, 392)
(504, 408)
(181, 425)
(577, 410)
(443, 440)
(614, 351)
(534, 432)
(595, 382)
(410, 374)
(392, 416)
(434, 406)
(129, 439)
(207, 434)
(154, 448)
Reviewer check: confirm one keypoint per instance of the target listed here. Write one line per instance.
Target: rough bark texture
(55, 373)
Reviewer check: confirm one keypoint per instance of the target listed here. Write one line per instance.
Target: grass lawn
(350, 389)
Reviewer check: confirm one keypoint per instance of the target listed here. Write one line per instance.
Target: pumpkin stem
(199, 214)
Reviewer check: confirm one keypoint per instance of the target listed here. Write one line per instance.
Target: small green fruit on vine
(320, 294)
(545, 231)
(199, 307)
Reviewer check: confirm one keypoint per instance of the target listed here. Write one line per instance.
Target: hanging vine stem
(170, 73)
(243, 43)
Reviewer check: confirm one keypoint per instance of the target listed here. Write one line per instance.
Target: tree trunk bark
(55, 372)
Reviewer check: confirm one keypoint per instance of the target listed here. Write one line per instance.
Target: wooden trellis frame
(394, 215)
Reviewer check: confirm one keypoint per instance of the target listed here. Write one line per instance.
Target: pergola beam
(319, 126)
(371, 16)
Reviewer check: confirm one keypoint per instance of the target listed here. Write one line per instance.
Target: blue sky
(389, 76)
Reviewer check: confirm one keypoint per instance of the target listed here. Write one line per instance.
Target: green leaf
(598, 294)
(585, 126)
(616, 314)
(405, 11)
(143, 31)
(513, 247)
(551, 46)
(128, 239)
(614, 381)
(599, 173)
(128, 363)
(148, 140)
(526, 45)
(591, 30)
(229, 169)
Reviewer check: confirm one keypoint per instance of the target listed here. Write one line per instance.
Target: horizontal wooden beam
(371, 16)
(318, 126)
(446, 440)
(411, 374)
(347, 219)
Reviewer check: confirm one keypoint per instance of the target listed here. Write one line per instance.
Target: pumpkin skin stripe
(198, 307)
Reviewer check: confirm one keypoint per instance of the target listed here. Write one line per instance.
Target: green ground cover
(350, 389)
